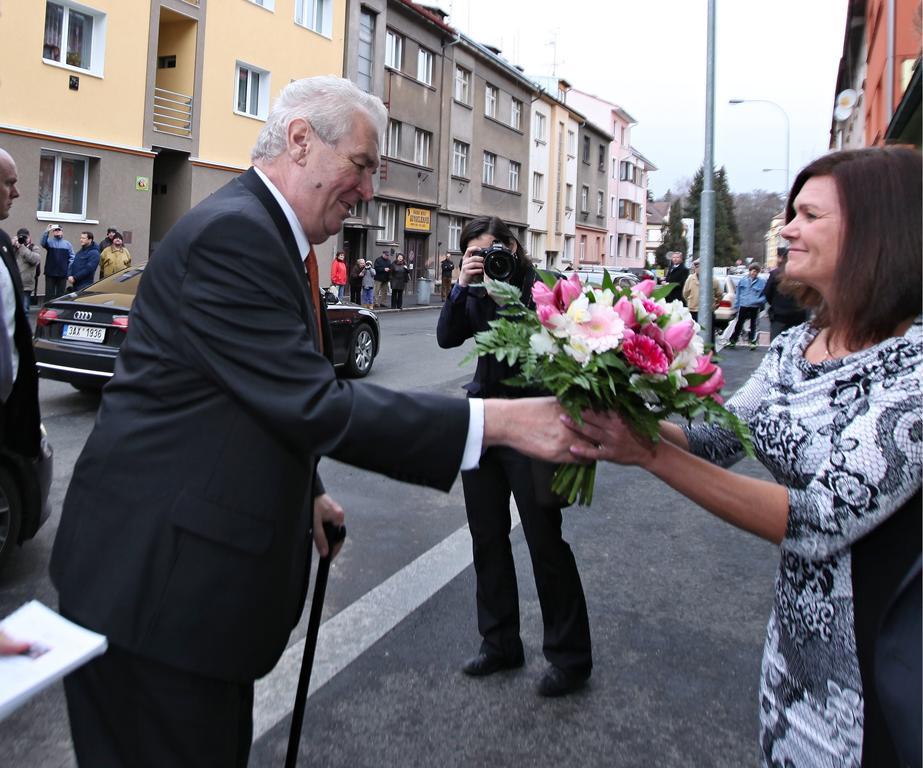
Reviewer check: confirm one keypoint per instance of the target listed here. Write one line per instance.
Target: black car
(78, 335)
(24, 503)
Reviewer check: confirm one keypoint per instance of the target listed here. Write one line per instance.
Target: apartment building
(127, 112)
(592, 185)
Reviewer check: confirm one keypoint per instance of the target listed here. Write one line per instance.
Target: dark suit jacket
(677, 275)
(19, 416)
(185, 535)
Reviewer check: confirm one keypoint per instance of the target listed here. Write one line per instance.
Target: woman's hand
(472, 267)
(613, 439)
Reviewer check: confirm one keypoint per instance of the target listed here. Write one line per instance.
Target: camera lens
(499, 263)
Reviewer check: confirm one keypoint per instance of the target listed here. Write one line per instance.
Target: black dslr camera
(22, 239)
(500, 263)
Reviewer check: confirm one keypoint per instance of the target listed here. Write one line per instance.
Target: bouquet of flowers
(607, 348)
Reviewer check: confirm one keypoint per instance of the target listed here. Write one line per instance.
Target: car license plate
(84, 333)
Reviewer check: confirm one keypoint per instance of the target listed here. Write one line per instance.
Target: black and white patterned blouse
(846, 438)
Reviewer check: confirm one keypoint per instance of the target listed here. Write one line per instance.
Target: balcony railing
(172, 112)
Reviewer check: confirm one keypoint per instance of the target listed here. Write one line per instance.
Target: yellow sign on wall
(417, 219)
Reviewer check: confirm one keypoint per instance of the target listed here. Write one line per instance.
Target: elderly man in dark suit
(677, 274)
(191, 552)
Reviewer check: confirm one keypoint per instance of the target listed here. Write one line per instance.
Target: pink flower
(565, 291)
(626, 311)
(679, 335)
(645, 287)
(542, 295)
(601, 331)
(547, 313)
(653, 331)
(651, 307)
(644, 354)
(710, 387)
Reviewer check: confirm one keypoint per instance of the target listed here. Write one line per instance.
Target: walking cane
(334, 536)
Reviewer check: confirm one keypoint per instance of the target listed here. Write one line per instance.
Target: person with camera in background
(28, 259)
(490, 247)
(58, 257)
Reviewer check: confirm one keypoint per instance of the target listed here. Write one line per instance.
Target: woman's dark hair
(878, 275)
(490, 225)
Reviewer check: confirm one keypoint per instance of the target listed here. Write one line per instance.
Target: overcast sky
(648, 56)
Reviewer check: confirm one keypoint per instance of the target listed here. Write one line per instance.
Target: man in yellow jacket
(114, 258)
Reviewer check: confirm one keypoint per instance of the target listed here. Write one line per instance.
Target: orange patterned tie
(310, 265)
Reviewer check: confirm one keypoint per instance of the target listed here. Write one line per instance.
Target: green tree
(672, 238)
(727, 237)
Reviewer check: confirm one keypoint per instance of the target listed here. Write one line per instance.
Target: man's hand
(11, 647)
(532, 426)
(326, 510)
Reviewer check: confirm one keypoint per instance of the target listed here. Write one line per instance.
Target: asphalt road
(678, 603)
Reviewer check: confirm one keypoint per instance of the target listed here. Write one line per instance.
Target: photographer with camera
(491, 248)
(28, 259)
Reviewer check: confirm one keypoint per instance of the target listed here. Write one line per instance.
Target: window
(425, 66)
(538, 187)
(365, 51)
(568, 197)
(316, 15)
(252, 91)
(421, 144)
(62, 184)
(602, 158)
(613, 212)
(455, 228)
(387, 220)
(514, 176)
(394, 50)
(393, 139)
(166, 62)
(462, 85)
(74, 36)
(572, 144)
(491, 97)
(269, 5)
(540, 126)
(516, 115)
(582, 251)
(584, 198)
(615, 173)
(624, 135)
(537, 248)
(626, 171)
(600, 204)
(460, 159)
(622, 207)
(490, 163)
(586, 149)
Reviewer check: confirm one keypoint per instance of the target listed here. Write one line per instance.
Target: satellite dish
(844, 104)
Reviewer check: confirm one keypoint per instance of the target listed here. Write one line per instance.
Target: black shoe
(560, 682)
(487, 663)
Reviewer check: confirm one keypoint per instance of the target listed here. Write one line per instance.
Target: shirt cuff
(475, 440)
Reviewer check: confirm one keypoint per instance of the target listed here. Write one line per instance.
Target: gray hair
(328, 103)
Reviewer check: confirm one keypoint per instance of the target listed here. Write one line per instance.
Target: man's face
(117, 242)
(57, 233)
(8, 179)
(84, 240)
(331, 180)
(676, 258)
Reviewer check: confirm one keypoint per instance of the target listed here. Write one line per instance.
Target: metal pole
(707, 233)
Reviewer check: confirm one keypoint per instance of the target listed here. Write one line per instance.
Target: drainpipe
(889, 64)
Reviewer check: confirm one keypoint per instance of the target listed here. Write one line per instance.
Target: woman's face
(815, 235)
(486, 240)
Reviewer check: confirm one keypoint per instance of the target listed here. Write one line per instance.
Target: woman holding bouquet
(487, 499)
(834, 411)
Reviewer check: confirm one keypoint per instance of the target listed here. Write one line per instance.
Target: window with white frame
(540, 126)
(252, 96)
(421, 145)
(626, 171)
(491, 97)
(316, 15)
(62, 184)
(600, 204)
(387, 220)
(392, 146)
(459, 159)
(582, 251)
(615, 168)
(394, 50)
(572, 144)
(269, 5)
(516, 114)
(623, 207)
(462, 85)
(613, 211)
(425, 66)
(514, 176)
(490, 165)
(536, 247)
(584, 198)
(455, 228)
(568, 197)
(74, 36)
(365, 50)
(586, 149)
(538, 187)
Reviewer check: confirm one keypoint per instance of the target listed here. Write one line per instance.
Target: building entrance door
(416, 253)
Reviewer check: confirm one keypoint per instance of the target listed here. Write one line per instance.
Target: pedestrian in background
(677, 274)
(355, 281)
(691, 291)
(749, 298)
(447, 267)
(28, 259)
(784, 311)
(58, 256)
(82, 270)
(399, 277)
(338, 274)
(367, 277)
(114, 257)
(382, 276)
(107, 240)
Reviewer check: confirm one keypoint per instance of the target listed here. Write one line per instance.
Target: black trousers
(743, 314)
(129, 712)
(397, 298)
(560, 593)
(355, 293)
(54, 287)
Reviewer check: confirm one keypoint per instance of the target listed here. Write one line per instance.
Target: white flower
(543, 344)
(578, 350)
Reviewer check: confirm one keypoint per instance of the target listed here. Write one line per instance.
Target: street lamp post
(787, 127)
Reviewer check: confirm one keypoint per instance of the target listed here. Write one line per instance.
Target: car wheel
(361, 352)
(10, 515)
